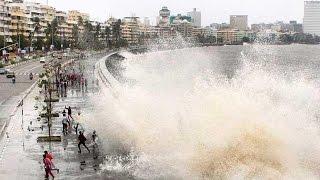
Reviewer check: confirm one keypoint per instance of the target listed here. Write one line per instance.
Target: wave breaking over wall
(188, 117)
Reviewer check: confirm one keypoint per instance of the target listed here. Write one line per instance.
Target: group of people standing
(67, 127)
(77, 79)
(67, 79)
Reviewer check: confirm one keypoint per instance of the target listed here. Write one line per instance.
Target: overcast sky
(212, 10)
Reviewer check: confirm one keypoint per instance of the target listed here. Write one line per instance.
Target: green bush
(13, 62)
(1, 65)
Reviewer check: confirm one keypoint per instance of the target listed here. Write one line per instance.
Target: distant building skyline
(212, 12)
(196, 18)
(239, 22)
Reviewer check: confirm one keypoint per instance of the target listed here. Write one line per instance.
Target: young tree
(39, 43)
(107, 36)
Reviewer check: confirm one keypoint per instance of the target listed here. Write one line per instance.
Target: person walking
(82, 140)
(14, 79)
(69, 112)
(86, 83)
(47, 167)
(94, 136)
(64, 125)
(50, 157)
(65, 86)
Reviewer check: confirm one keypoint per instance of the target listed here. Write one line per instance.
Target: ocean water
(232, 112)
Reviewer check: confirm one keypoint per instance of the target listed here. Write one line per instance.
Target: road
(11, 94)
(7, 89)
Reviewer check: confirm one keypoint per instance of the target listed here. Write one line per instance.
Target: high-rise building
(195, 17)
(20, 20)
(164, 16)
(296, 26)
(5, 19)
(239, 22)
(130, 29)
(36, 16)
(311, 20)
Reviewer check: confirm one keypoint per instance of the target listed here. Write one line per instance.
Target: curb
(26, 93)
(3, 127)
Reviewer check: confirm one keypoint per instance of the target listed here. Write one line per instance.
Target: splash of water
(184, 119)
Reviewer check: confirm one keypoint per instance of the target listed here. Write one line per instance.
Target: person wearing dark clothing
(64, 125)
(69, 112)
(65, 86)
(82, 140)
(76, 127)
(94, 136)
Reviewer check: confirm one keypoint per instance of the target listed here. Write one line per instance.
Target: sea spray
(189, 118)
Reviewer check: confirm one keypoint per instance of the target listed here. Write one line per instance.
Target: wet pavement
(11, 94)
(21, 154)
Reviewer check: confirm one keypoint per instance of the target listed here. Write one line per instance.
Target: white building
(130, 29)
(311, 20)
(35, 14)
(195, 17)
(239, 22)
(146, 21)
(163, 19)
(5, 20)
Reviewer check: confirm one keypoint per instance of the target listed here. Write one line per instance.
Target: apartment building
(183, 28)
(239, 22)
(36, 19)
(230, 36)
(5, 19)
(48, 12)
(74, 15)
(130, 29)
(20, 21)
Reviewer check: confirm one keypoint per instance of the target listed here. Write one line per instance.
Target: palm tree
(37, 28)
(97, 31)
(51, 31)
(88, 26)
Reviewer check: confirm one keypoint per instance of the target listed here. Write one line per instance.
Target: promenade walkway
(21, 154)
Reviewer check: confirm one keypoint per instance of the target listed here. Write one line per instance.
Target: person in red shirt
(50, 157)
(47, 166)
